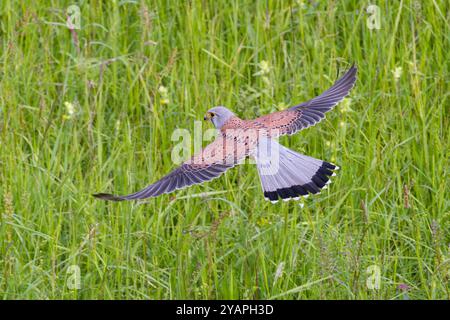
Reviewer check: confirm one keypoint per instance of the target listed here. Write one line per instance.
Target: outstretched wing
(210, 163)
(311, 112)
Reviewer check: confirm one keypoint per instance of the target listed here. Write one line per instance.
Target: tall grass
(81, 112)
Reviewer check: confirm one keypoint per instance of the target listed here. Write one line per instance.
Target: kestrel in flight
(284, 173)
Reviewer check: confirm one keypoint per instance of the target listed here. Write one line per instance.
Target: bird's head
(218, 116)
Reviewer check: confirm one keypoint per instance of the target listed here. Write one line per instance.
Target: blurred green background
(93, 109)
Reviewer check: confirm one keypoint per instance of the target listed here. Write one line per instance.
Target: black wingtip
(350, 77)
(353, 68)
(107, 196)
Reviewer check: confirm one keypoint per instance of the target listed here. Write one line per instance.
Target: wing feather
(310, 112)
(207, 165)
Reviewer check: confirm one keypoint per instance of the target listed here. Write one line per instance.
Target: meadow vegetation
(93, 110)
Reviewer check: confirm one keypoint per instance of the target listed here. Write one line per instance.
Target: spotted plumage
(284, 173)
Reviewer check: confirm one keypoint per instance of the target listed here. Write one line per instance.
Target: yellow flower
(397, 72)
(301, 4)
(282, 106)
(70, 110)
(263, 222)
(264, 67)
(164, 95)
(163, 90)
(345, 105)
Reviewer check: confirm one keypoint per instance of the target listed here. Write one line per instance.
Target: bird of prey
(284, 173)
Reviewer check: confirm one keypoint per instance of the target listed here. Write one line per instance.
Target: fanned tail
(287, 174)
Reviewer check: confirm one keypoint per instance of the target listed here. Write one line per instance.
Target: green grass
(388, 206)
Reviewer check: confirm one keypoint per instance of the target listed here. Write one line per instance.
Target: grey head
(218, 116)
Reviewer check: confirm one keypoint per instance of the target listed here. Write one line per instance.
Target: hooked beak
(207, 116)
